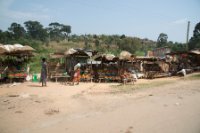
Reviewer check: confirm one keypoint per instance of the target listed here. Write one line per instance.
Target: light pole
(187, 37)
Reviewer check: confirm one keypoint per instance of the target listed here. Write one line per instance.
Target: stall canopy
(197, 52)
(57, 55)
(79, 52)
(125, 55)
(15, 49)
(106, 58)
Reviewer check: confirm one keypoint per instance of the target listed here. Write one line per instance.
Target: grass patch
(194, 77)
(129, 88)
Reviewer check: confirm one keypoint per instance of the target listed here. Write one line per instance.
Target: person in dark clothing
(44, 72)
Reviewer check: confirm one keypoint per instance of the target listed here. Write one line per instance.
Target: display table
(18, 75)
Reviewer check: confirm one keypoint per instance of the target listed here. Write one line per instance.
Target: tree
(122, 36)
(176, 46)
(195, 40)
(17, 30)
(54, 31)
(35, 30)
(66, 30)
(1, 36)
(59, 31)
(162, 40)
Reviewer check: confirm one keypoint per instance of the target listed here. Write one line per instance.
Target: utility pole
(187, 37)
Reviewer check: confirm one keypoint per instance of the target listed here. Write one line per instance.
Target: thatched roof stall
(108, 70)
(179, 60)
(56, 64)
(14, 58)
(73, 56)
(153, 66)
(125, 58)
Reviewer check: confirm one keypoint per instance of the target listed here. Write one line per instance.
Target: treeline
(33, 33)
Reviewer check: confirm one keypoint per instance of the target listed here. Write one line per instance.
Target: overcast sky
(138, 18)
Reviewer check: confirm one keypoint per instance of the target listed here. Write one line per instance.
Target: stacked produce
(17, 75)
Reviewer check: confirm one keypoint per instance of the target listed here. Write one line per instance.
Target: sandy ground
(101, 108)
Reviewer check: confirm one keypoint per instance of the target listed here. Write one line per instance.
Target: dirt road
(170, 106)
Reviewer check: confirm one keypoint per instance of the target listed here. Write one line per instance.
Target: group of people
(75, 74)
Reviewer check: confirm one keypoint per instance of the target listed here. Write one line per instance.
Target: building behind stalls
(160, 52)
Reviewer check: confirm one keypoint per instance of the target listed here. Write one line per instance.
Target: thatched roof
(77, 52)
(56, 55)
(16, 48)
(106, 58)
(197, 52)
(125, 55)
(109, 56)
(25, 48)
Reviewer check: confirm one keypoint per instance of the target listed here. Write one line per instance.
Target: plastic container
(35, 78)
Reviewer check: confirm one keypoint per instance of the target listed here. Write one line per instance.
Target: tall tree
(58, 31)
(66, 30)
(195, 40)
(35, 30)
(5, 37)
(55, 31)
(162, 40)
(17, 30)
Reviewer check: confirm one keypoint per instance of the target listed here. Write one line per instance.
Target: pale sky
(136, 18)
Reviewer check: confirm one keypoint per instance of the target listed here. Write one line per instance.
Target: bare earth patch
(167, 105)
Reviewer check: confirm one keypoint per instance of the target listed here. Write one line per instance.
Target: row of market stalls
(108, 67)
(102, 67)
(13, 61)
(97, 66)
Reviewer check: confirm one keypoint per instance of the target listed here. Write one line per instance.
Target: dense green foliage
(195, 39)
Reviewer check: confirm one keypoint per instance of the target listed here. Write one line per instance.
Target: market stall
(56, 66)
(153, 67)
(14, 61)
(75, 56)
(108, 70)
(180, 60)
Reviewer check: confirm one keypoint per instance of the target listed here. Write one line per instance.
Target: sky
(136, 18)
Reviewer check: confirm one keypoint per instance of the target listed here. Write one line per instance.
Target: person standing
(44, 72)
(76, 76)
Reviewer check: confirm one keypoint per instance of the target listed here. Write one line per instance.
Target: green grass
(194, 77)
(130, 88)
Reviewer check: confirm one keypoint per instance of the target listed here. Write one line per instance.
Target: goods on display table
(20, 74)
(86, 75)
(108, 75)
